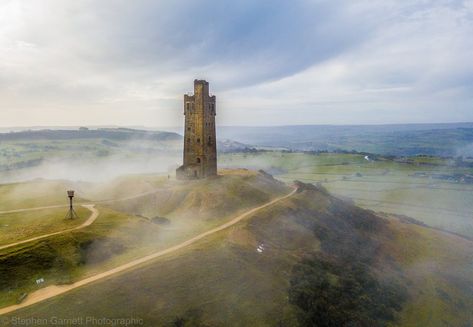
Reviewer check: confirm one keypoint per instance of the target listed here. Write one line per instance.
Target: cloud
(122, 62)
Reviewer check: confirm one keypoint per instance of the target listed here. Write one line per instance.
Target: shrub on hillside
(331, 293)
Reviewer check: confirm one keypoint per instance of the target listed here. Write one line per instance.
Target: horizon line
(240, 126)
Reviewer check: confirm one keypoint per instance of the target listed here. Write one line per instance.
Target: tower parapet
(200, 146)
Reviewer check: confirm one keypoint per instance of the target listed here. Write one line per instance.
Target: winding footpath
(89, 221)
(54, 290)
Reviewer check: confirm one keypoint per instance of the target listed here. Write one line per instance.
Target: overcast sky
(269, 62)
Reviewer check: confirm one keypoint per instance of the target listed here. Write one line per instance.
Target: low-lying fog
(96, 171)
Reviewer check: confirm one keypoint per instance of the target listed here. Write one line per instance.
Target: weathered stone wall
(200, 151)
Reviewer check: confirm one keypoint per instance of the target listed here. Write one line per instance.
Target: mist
(133, 157)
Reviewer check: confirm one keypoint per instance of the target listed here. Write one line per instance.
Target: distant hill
(112, 134)
(118, 134)
(227, 145)
(398, 140)
(447, 140)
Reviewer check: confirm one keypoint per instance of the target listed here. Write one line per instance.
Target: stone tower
(200, 149)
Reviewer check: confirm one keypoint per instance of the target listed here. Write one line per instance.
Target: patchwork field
(425, 188)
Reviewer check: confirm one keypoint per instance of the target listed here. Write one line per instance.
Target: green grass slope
(18, 226)
(322, 260)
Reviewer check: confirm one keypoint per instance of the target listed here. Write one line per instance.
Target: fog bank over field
(88, 155)
(95, 171)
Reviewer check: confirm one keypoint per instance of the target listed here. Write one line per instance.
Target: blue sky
(270, 62)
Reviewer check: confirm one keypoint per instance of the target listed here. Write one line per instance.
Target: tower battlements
(200, 148)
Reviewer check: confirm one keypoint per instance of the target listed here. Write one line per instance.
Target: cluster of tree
(328, 292)
(190, 318)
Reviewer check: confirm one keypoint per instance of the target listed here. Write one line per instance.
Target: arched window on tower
(198, 160)
(209, 142)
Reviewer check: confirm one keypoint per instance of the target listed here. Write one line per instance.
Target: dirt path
(52, 291)
(90, 220)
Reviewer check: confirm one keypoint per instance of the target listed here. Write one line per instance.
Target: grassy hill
(121, 233)
(311, 258)
(227, 194)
